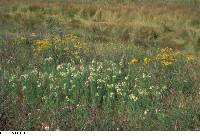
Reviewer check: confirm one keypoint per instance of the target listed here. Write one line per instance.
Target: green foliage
(60, 48)
(53, 94)
(99, 65)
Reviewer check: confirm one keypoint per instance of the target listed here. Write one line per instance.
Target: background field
(99, 64)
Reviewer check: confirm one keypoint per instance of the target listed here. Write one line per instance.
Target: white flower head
(133, 97)
(111, 94)
(146, 111)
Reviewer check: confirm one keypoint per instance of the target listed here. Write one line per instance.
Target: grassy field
(99, 65)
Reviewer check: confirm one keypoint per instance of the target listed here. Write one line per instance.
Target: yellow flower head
(42, 43)
(166, 63)
(190, 57)
(133, 61)
(167, 56)
(146, 60)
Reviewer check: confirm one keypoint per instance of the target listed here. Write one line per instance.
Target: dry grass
(175, 23)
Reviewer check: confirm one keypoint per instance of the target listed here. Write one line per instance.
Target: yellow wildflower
(146, 60)
(134, 61)
(167, 56)
(190, 57)
(166, 63)
(42, 43)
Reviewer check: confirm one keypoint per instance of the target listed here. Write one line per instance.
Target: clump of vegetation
(65, 94)
(64, 48)
(70, 73)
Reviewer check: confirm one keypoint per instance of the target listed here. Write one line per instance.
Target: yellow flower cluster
(133, 61)
(190, 57)
(167, 56)
(43, 43)
(146, 60)
(62, 45)
(58, 40)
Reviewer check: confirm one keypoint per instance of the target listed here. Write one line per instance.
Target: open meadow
(99, 65)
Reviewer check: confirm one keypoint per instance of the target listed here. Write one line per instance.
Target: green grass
(80, 65)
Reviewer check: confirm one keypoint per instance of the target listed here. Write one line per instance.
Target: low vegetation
(77, 65)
